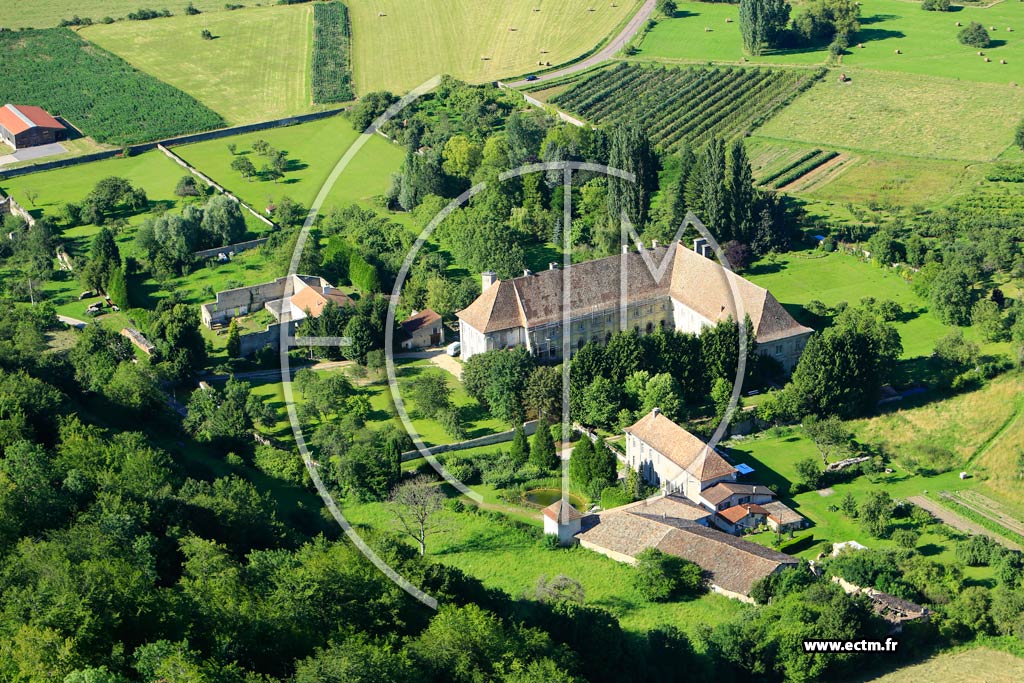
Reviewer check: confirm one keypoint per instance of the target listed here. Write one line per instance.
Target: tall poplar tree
(631, 151)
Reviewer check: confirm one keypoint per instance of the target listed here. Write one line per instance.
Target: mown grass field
(256, 68)
(684, 38)
(314, 149)
(927, 40)
(800, 277)
(920, 116)
(398, 44)
(928, 44)
(978, 665)
(46, 13)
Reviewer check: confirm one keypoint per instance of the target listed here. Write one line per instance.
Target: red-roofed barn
(27, 126)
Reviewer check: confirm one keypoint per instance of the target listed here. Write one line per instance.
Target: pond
(544, 497)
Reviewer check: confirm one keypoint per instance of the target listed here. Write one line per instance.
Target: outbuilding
(24, 126)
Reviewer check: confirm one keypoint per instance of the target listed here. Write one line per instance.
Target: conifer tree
(520, 450)
(542, 451)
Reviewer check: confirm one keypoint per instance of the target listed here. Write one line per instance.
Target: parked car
(531, 77)
(453, 349)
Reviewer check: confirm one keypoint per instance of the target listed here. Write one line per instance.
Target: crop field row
(689, 104)
(789, 166)
(96, 91)
(797, 171)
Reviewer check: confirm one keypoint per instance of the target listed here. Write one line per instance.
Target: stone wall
(488, 440)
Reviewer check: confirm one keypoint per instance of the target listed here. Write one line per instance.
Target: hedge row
(332, 78)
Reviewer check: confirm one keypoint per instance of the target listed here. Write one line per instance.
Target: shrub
(975, 35)
(279, 464)
(978, 551)
(661, 577)
(935, 5)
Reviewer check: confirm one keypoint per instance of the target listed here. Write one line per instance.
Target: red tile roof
(737, 513)
(561, 512)
(17, 118)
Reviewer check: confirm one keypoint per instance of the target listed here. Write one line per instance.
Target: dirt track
(958, 522)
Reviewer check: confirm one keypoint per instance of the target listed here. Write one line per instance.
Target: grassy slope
(256, 69)
(316, 147)
(513, 561)
(416, 40)
(46, 13)
(979, 665)
(911, 115)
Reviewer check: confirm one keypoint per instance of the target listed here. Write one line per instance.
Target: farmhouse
(27, 126)
(678, 527)
(668, 456)
(685, 290)
(421, 330)
(289, 299)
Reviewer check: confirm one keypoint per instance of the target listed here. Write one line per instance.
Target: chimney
(654, 244)
(488, 278)
(625, 248)
(527, 272)
(699, 244)
(656, 411)
(553, 266)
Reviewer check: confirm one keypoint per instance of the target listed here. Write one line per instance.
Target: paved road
(958, 522)
(605, 53)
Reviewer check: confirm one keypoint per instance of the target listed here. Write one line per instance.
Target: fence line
(533, 101)
(210, 181)
(486, 440)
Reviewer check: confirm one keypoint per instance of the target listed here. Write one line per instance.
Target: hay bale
(987, 59)
(898, 51)
(728, 20)
(860, 45)
(707, 29)
(959, 24)
(980, 53)
(1002, 61)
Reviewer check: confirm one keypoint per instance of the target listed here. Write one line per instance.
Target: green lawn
(928, 44)
(686, 38)
(926, 40)
(799, 277)
(153, 171)
(47, 13)
(256, 69)
(919, 116)
(398, 44)
(512, 560)
(314, 149)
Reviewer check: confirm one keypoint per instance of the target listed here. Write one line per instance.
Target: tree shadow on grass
(870, 35)
(876, 18)
(764, 268)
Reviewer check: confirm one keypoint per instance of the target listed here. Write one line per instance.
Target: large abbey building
(686, 290)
